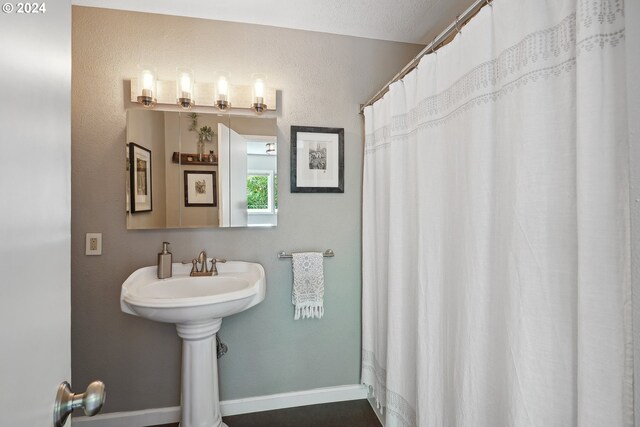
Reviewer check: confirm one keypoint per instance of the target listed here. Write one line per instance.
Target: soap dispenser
(164, 262)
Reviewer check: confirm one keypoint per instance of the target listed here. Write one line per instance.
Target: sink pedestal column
(200, 400)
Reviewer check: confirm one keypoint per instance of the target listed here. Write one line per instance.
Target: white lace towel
(308, 285)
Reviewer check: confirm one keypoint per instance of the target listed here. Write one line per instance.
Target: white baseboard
(145, 417)
(293, 399)
(247, 405)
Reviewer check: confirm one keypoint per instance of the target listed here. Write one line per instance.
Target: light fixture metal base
(223, 105)
(271, 148)
(186, 103)
(258, 107)
(147, 101)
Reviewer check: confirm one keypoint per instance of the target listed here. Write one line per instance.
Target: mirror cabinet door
(254, 173)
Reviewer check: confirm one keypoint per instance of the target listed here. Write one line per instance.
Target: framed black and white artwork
(317, 159)
(139, 178)
(200, 188)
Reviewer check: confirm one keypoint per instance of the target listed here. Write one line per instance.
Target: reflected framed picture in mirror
(140, 190)
(200, 188)
(317, 159)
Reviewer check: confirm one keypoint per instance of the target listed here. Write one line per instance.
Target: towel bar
(327, 253)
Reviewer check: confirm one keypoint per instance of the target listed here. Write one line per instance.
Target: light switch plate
(93, 244)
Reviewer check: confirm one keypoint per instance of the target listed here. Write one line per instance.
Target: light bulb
(185, 82)
(146, 86)
(147, 80)
(223, 86)
(222, 97)
(184, 88)
(258, 91)
(259, 88)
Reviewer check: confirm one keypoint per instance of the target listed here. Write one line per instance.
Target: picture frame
(140, 179)
(317, 159)
(200, 188)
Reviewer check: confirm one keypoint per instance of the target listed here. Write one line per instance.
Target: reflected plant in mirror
(239, 152)
(205, 134)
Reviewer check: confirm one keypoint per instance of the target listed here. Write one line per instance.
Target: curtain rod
(454, 27)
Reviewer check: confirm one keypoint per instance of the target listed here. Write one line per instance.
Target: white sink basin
(196, 305)
(184, 299)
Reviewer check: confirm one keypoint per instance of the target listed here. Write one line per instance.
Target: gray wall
(322, 79)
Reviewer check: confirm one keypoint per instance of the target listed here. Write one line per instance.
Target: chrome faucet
(203, 270)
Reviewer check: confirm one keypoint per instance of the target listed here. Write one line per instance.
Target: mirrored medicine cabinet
(200, 170)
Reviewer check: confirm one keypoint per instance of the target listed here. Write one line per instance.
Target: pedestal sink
(196, 305)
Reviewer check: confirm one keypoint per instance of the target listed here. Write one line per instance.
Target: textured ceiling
(411, 21)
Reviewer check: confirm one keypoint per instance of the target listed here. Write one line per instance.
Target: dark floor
(354, 413)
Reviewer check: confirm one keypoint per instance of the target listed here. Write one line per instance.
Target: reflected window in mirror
(260, 192)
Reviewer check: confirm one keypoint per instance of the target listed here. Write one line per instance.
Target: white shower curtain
(496, 279)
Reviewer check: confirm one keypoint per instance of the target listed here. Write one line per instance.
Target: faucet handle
(193, 263)
(214, 270)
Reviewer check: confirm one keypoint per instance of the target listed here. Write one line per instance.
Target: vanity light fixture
(184, 88)
(222, 100)
(258, 86)
(146, 86)
(271, 148)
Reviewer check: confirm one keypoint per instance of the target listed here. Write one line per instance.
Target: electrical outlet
(93, 244)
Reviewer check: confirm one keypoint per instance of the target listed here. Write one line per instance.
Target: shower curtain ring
(489, 2)
(458, 24)
(433, 46)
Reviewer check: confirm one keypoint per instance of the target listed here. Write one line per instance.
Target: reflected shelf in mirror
(192, 159)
